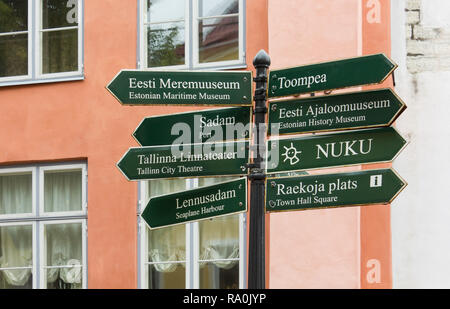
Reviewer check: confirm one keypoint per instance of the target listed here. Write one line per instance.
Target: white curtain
(62, 191)
(16, 241)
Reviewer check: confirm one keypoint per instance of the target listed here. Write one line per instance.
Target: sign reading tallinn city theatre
(345, 73)
(184, 161)
(333, 190)
(334, 149)
(221, 199)
(134, 87)
(221, 124)
(336, 112)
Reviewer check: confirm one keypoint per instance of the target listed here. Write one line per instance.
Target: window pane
(16, 251)
(163, 186)
(59, 13)
(15, 194)
(63, 248)
(60, 51)
(165, 10)
(218, 7)
(166, 43)
(174, 279)
(62, 191)
(167, 244)
(219, 39)
(13, 15)
(214, 277)
(13, 55)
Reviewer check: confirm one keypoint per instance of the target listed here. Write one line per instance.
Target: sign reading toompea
(333, 190)
(198, 204)
(133, 87)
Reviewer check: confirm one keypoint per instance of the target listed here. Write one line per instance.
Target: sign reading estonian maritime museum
(134, 87)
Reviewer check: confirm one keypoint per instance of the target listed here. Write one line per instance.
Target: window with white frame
(207, 254)
(43, 227)
(191, 34)
(40, 41)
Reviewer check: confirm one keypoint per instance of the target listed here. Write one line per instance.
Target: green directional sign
(184, 161)
(333, 149)
(333, 190)
(230, 123)
(336, 112)
(345, 73)
(134, 87)
(197, 204)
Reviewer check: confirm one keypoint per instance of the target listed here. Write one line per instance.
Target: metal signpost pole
(256, 260)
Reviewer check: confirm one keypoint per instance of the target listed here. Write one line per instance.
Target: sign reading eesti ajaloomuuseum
(230, 123)
(334, 149)
(134, 87)
(335, 112)
(183, 161)
(197, 204)
(338, 74)
(333, 190)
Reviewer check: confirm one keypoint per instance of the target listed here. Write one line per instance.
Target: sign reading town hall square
(197, 204)
(333, 190)
(133, 87)
(183, 161)
(335, 149)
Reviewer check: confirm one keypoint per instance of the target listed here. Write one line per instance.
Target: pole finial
(261, 59)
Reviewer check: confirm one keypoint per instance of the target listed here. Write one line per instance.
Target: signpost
(333, 190)
(134, 87)
(197, 204)
(337, 112)
(335, 149)
(183, 161)
(230, 123)
(330, 75)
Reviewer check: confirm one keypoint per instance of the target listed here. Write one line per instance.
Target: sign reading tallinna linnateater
(334, 149)
(133, 87)
(333, 190)
(197, 204)
(338, 74)
(336, 112)
(184, 161)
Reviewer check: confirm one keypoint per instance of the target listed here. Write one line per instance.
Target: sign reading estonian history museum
(333, 190)
(134, 87)
(229, 123)
(335, 149)
(184, 161)
(338, 74)
(335, 112)
(221, 199)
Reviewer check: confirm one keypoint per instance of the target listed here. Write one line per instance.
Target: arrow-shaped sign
(184, 161)
(337, 112)
(333, 190)
(334, 149)
(197, 204)
(345, 73)
(134, 87)
(230, 123)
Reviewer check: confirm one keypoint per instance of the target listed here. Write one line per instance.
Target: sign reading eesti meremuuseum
(337, 112)
(338, 74)
(183, 161)
(333, 190)
(334, 149)
(230, 123)
(134, 87)
(197, 204)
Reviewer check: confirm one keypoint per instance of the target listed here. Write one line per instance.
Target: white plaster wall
(421, 213)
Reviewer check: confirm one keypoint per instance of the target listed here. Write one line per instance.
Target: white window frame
(192, 279)
(35, 50)
(191, 35)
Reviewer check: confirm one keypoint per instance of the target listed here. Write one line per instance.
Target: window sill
(42, 81)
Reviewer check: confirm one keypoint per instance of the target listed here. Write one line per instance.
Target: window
(192, 34)
(207, 254)
(43, 227)
(40, 41)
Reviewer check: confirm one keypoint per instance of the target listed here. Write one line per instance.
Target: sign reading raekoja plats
(137, 87)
